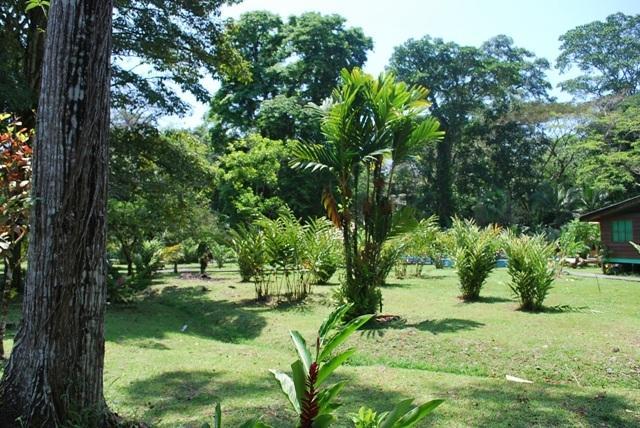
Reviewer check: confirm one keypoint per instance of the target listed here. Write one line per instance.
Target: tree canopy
(291, 64)
(608, 55)
(468, 85)
(159, 48)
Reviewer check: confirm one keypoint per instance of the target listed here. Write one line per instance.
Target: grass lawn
(583, 354)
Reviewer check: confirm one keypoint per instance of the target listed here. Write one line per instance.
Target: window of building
(621, 230)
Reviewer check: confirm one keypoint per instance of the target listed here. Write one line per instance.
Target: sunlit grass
(188, 344)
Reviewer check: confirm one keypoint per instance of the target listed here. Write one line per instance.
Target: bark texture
(54, 374)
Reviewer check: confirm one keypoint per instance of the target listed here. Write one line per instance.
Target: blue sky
(533, 24)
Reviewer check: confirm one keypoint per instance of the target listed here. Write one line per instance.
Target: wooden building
(619, 224)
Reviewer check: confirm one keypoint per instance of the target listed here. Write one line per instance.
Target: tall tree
(465, 82)
(158, 185)
(607, 53)
(22, 36)
(369, 120)
(293, 63)
(55, 370)
(158, 46)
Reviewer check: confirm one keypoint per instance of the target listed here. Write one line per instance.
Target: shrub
(219, 253)
(439, 247)
(122, 289)
(531, 269)
(322, 250)
(475, 255)
(286, 247)
(578, 238)
(429, 240)
(248, 243)
(148, 259)
(173, 254)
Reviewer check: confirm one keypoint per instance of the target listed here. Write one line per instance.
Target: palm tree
(370, 127)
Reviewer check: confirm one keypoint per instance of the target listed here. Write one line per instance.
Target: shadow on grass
(435, 327)
(446, 325)
(186, 310)
(492, 299)
(561, 309)
(191, 395)
(507, 405)
(428, 277)
(398, 285)
(546, 405)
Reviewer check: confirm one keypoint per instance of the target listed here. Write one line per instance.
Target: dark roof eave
(611, 209)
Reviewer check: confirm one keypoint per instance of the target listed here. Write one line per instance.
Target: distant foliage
(220, 253)
(578, 238)
(475, 255)
(430, 241)
(246, 185)
(323, 249)
(248, 243)
(606, 52)
(15, 182)
(149, 258)
(531, 268)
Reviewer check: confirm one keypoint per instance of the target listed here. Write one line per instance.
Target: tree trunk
(15, 258)
(4, 302)
(126, 252)
(444, 179)
(55, 369)
(34, 52)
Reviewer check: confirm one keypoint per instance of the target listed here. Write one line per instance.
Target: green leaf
(323, 421)
(418, 413)
(328, 368)
(217, 419)
(398, 411)
(328, 395)
(288, 387)
(331, 321)
(343, 335)
(299, 379)
(303, 351)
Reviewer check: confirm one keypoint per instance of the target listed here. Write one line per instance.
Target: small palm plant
(322, 249)
(475, 255)
(531, 269)
(149, 258)
(311, 401)
(248, 243)
(371, 126)
(286, 248)
(314, 402)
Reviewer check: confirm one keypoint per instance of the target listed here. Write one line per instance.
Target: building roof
(631, 204)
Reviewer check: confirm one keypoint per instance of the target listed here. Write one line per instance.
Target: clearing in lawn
(188, 344)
